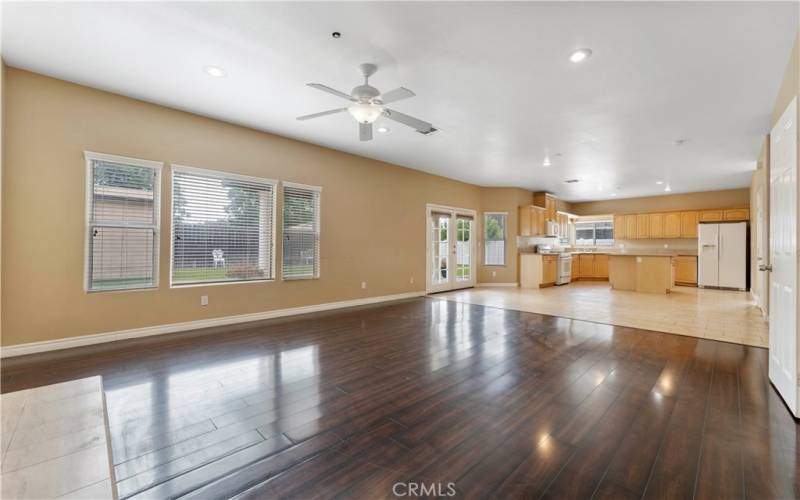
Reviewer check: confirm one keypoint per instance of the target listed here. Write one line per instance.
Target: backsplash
(685, 246)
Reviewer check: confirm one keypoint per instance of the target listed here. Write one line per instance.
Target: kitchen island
(640, 272)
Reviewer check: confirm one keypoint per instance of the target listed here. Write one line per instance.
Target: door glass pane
(463, 249)
(440, 244)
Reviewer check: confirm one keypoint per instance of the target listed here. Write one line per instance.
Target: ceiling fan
(369, 105)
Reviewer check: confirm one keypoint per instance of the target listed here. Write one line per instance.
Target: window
(593, 233)
(222, 227)
(494, 238)
(122, 216)
(300, 231)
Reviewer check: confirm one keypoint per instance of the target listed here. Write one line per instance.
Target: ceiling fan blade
(365, 131)
(322, 113)
(415, 123)
(329, 90)
(396, 95)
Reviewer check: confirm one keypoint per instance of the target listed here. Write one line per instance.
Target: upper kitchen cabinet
(710, 215)
(642, 226)
(630, 227)
(689, 222)
(548, 202)
(736, 214)
(620, 232)
(656, 225)
(532, 221)
(672, 225)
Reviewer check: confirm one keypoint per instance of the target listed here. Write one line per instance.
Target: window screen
(222, 227)
(300, 231)
(592, 233)
(494, 237)
(122, 223)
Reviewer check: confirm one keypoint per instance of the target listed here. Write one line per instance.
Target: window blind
(494, 239)
(222, 227)
(122, 222)
(301, 216)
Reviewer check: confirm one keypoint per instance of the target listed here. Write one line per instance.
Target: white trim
(302, 186)
(505, 239)
(99, 338)
(125, 160)
(454, 213)
(486, 285)
(221, 174)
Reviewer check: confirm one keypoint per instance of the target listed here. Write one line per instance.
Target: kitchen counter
(641, 271)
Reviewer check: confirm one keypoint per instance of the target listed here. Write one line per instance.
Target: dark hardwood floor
(426, 395)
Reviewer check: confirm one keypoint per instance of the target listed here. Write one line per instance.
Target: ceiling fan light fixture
(365, 112)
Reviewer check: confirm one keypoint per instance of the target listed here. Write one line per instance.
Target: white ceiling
(494, 77)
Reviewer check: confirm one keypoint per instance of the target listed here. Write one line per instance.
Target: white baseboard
(99, 338)
(485, 285)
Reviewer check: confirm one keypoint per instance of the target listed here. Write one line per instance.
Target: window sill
(299, 278)
(219, 283)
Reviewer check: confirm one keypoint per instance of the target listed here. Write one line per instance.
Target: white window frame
(220, 175)
(318, 257)
(505, 238)
(157, 166)
(595, 221)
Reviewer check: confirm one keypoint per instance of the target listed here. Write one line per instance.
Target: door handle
(765, 267)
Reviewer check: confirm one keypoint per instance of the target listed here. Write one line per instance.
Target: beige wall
(504, 200)
(373, 213)
(686, 201)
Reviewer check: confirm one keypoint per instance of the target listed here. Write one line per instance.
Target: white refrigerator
(722, 255)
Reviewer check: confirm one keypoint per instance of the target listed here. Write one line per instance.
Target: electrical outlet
(411, 280)
(494, 273)
(666, 245)
(363, 285)
(204, 300)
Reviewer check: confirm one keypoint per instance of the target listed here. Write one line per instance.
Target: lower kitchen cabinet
(686, 270)
(591, 266)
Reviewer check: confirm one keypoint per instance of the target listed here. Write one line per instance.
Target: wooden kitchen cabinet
(686, 270)
(586, 263)
(642, 226)
(600, 266)
(672, 225)
(548, 202)
(525, 220)
(549, 269)
(736, 214)
(689, 221)
(630, 226)
(619, 228)
(575, 267)
(656, 225)
(539, 226)
(710, 216)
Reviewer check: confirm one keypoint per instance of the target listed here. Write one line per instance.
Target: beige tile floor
(54, 442)
(713, 314)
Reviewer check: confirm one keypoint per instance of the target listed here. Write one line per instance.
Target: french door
(451, 248)
(783, 258)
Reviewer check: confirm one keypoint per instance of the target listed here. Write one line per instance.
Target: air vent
(572, 181)
(429, 131)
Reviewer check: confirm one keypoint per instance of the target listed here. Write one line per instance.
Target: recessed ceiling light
(659, 182)
(383, 130)
(215, 71)
(546, 162)
(580, 55)
(336, 34)
(667, 188)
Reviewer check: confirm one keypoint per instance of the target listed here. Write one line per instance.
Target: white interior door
(708, 255)
(733, 255)
(783, 258)
(451, 248)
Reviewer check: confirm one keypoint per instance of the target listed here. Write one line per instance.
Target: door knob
(765, 267)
